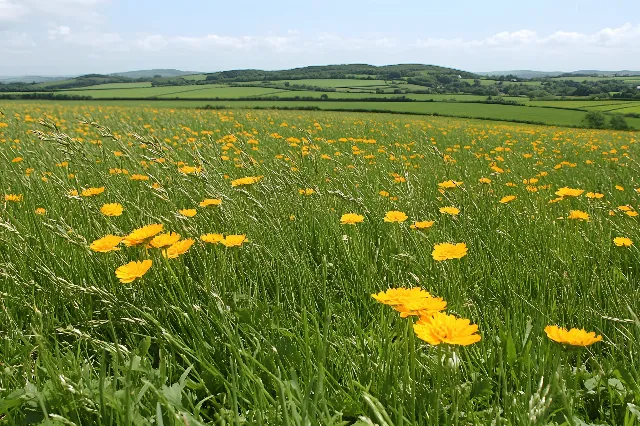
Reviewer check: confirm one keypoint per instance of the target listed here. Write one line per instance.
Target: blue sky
(48, 37)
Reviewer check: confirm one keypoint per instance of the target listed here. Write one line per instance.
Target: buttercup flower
(234, 240)
(307, 191)
(141, 234)
(13, 197)
(450, 210)
(210, 202)
(178, 248)
(113, 209)
(212, 238)
(351, 219)
(106, 244)
(622, 242)
(574, 337)
(507, 199)
(133, 270)
(595, 195)
(164, 240)
(578, 215)
(422, 225)
(446, 251)
(90, 192)
(569, 192)
(249, 180)
(442, 328)
(449, 184)
(188, 212)
(395, 216)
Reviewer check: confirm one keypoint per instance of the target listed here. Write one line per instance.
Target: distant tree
(595, 120)
(286, 84)
(618, 123)
(324, 96)
(394, 75)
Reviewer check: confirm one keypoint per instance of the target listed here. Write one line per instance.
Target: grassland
(282, 329)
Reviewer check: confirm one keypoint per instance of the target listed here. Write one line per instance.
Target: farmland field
(260, 238)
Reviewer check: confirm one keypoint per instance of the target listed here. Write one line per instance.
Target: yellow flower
(164, 240)
(574, 337)
(596, 195)
(90, 192)
(307, 191)
(351, 219)
(139, 177)
(41, 211)
(395, 216)
(446, 251)
(106, 244)
(421, 306)
(450, 210)
(631, 213)
(484, 180)
(249, 180)
(507, 199)
(622, 241)
(578, 214)
(422, 225)
(625, 208)
(399, 296)
(234, 240)
(178, 248)
(141, 234)
(569, 192)
(619, 188)
(442, 328)
(449, 184)
(188, 212)
(212, 238)
(113, 209)
(210, 202)
(17, 160)
(132, 270)
(13, 197)
(384, 193)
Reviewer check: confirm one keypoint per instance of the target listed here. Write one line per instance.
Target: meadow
(181, 266)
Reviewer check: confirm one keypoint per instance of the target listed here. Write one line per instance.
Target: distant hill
(523, 73)
(542, 74)
(31, 79)
(152, 73)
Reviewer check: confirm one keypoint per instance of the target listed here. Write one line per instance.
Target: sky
(70, 37)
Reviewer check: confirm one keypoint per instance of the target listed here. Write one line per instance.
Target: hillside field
(171, 266)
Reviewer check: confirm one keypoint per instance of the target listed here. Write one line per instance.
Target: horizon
(78, 37)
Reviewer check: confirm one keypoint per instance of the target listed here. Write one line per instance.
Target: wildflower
(212, 238)
(450, 210)
(446, 251)
(13, 197)
(384, 193)
(569, 192)
(484, 180)
(578, 214)
(17, 160)
(210, 202)
(90, 192)
(395, 216)
(442, 328)
(351, 219)
(178, 248)
(631, 213)
(507, 199)
(132, 270)
(422, 225)
(113, 209)
(573, 337)
(41, 211)
(188, 212)
(249, 180)
(139, 177)
(399, 296)
(307, 191)
(73, 193)
(106, 244)
(619, 188)
(164, 240)
(421, 306)
(141, 234)
(449, 184)
(622, 242)
(595, 195)
(234, 240)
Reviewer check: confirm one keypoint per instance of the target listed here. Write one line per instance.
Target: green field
(280, 328)
(108, 86)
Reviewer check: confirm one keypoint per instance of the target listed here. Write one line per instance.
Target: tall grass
(283, 331)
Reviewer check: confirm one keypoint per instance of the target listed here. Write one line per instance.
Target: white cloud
(626, 36)
(12, 10)
(14, 41)
(59, 31)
